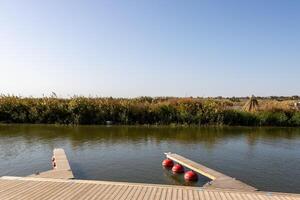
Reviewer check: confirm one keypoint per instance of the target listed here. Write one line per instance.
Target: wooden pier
(219, 180)
(62, 170)
(58, 184)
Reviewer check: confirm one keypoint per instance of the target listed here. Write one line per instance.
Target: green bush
(295, 119)
(233, 117)
(273, 118)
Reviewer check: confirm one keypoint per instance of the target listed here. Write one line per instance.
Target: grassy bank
(145, 110)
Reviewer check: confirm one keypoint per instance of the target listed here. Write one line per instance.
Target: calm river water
(266, 158)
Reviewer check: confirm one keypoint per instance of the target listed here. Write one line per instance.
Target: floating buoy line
(190, 176)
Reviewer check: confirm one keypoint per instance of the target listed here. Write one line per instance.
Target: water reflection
(267, 158)
(119, 134)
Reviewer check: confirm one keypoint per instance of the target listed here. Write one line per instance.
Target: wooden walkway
(62, 169)
(19, 188)
(219, 180)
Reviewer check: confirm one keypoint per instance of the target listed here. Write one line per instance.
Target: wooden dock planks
(58, 189)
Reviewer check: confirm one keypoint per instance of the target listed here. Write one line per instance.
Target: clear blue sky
(150, 48)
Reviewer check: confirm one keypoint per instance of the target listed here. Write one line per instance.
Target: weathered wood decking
(219, 180)
(19, 188)
(62, 169)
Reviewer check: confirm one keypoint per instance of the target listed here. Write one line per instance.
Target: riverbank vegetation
(147, 110)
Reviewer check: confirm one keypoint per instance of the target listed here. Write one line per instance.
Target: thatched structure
(251, 105)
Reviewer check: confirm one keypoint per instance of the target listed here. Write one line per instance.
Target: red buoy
(178, 168)
(190, 176)
(168, 163)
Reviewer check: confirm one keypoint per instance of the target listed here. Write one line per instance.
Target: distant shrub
(234, 99)
(295, 119)
(234, 117)
(273, 119)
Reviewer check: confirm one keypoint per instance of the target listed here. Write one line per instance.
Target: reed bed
(145, 110)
